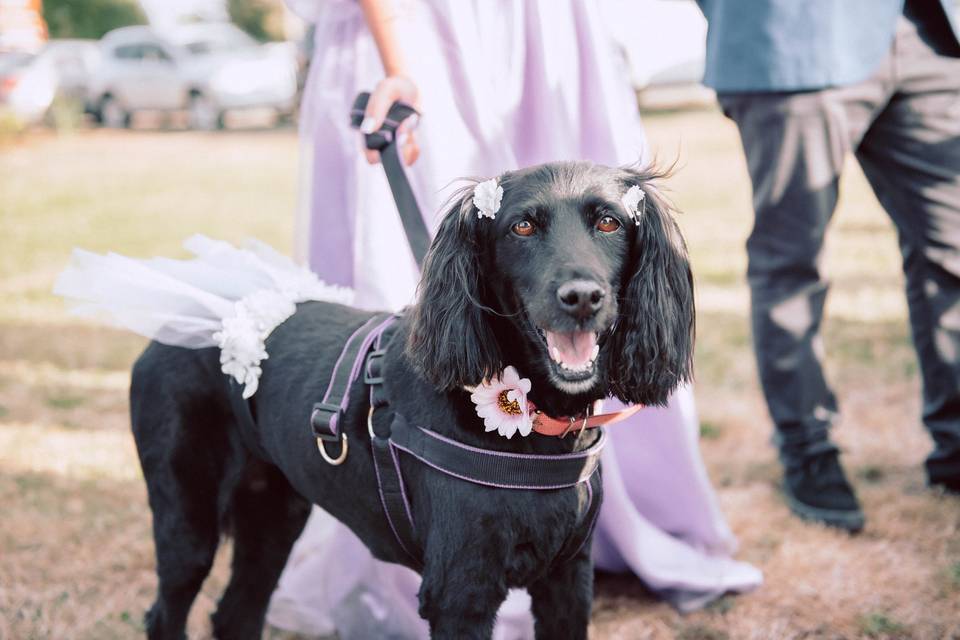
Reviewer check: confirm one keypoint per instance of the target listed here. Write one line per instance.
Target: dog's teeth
(594, 353)
(555, 354)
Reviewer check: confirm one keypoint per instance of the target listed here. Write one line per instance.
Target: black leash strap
(384, 140)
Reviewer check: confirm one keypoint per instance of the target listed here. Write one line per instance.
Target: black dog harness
(363, 353)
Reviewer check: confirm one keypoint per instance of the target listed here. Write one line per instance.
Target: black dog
(563, 268)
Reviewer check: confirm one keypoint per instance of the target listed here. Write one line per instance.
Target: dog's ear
(451, 342)
(655, 328)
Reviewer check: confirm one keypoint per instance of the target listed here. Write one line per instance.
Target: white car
(206, 69)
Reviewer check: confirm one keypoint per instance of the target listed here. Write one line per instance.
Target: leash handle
(387, 133)
(384, 140)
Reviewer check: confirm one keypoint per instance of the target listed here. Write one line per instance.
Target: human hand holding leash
(388, 91)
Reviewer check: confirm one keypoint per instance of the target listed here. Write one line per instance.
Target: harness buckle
(373, 368)
(325, 421)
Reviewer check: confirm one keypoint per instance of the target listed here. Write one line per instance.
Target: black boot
(943, 469)
(816, 488)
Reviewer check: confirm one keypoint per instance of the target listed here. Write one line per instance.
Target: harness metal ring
(343, 451)
(370, 423)
(573, 421)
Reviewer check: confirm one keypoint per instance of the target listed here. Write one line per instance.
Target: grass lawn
(76, 554)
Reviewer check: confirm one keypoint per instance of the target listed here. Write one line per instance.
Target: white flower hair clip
(632, 200)
(486, 198)
(502, 403)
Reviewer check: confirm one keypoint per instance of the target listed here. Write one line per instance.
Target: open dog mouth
(572, 354)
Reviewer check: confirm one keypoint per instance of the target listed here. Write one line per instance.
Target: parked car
(28, 84)
(206, 69)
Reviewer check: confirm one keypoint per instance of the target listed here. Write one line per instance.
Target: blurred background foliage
(262, 19)
(90, 18)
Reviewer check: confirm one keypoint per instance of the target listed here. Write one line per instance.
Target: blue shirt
(794, 45)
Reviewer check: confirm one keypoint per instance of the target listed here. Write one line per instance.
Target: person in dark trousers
(806, 83)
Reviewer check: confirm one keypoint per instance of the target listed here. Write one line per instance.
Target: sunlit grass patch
(48, 374)
(67, 453)
(67, 346)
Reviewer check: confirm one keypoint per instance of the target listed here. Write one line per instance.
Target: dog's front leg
(460, 595)
(562, 599)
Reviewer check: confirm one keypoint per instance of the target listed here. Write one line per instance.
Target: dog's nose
(580, 298)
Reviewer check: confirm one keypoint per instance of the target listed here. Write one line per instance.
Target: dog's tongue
(574, 349)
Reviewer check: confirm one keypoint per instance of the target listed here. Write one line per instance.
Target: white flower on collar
(486, 198)
(502, 403)
(631, 201)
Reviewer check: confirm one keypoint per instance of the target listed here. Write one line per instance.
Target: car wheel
(112, 114)
(204, 114)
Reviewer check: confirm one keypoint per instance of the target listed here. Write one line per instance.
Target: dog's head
(563, 284)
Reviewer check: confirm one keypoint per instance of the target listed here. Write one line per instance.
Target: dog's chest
(527, 532)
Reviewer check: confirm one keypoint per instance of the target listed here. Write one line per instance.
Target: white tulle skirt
(225, 297)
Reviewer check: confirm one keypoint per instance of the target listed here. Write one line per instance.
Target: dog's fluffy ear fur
(451, 341)
(654, 335)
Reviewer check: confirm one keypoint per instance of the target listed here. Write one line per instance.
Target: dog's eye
(608, 224)
(523, 228)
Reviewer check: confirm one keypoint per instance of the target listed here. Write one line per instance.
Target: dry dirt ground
(76, 557)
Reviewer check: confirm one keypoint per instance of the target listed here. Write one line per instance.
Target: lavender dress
(503, 85)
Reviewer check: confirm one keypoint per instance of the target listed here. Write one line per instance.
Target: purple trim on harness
(485, 483)
(343, 352)
(365, 347)
(333, 422)
(527, 456)
(366, 370)
(383, 503)
(403, 491)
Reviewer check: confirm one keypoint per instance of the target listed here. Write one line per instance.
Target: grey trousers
(903, 124)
